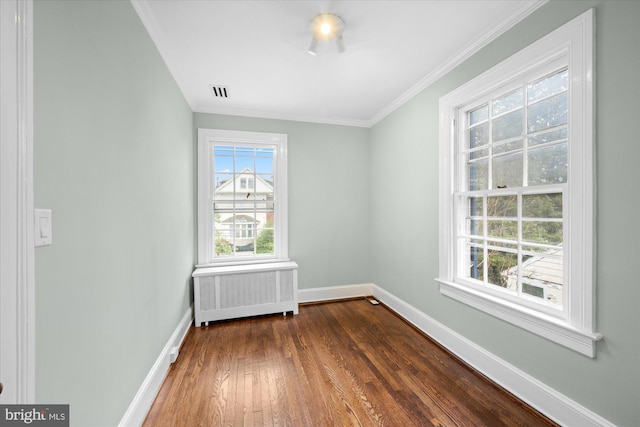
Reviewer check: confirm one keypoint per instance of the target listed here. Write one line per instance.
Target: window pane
(500, 267)
(507, 171)
(549, 233)
(507, 126)
(264, 160)
(543, 277)
(475, 255)
(479, 135)
(223, 158)
(548, 113)
(503, 229)
(264, 242)
(223, 179)
(475, 227)
(543, 138)
(478, 175)
(245, 159)
(507, 146)
(548, 165)
(479, 115)
(475, 206)
(506, 206)
(551, 85)
(542, 205)
(508, 102)
(223, 242)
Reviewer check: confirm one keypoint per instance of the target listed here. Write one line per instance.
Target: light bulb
(325, 28)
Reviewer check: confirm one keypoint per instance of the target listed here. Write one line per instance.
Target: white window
(516, 189)
(242, 197)
(246, 183)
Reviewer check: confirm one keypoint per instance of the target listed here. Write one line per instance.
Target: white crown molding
(275, 116)
(525, 10)
(141, 403)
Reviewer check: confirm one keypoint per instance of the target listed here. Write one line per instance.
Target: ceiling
(258, 51)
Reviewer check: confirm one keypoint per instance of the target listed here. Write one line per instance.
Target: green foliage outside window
(264, 243)
(534, 206)
(223, 246)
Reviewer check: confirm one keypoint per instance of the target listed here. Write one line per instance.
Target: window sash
(474, 250)
(235, 235)
(522, 248)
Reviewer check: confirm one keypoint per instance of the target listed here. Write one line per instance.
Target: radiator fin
(247, 289)
(207, 293)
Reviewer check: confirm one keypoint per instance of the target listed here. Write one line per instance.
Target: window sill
(242, 262)
(556, 330)
(209, 269)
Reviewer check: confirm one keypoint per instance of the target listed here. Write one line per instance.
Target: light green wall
(329, 219)
(404, 146)
(115, 161)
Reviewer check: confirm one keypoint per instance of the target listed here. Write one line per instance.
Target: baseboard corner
(330, 293)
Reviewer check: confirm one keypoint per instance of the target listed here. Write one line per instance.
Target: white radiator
(229, 292)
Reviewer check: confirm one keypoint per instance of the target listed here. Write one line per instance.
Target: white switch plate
(42, 227)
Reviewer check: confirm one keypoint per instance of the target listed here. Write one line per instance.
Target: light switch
(42, 232)
(45, 228)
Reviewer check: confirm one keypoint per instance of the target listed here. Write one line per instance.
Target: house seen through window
(243, 200)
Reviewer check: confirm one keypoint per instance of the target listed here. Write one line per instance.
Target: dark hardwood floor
(346, 363)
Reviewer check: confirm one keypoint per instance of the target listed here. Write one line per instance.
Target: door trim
(17, 258)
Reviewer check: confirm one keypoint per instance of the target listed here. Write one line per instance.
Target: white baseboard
(139, 407)
(540, 396)
(334, 292)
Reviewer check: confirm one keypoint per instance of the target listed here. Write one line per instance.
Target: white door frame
(17, 296)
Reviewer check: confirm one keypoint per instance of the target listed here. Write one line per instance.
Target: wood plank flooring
(346, 363)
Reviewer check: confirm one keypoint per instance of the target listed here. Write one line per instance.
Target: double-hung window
(242, 197)
(516, 189)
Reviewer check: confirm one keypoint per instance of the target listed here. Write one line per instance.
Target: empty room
(316, 213)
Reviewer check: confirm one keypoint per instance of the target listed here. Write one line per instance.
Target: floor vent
(219, 91)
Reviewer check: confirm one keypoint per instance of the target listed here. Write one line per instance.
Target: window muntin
(513, 163)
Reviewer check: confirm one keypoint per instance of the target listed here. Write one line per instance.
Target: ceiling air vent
(219, 91)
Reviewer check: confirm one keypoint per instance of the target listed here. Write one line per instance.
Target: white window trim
(573, 41)
(205, 189)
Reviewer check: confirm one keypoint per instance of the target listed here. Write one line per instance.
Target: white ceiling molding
(293, 98)
(457, 59)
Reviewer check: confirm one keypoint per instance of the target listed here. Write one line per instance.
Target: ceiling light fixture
(327, 28)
